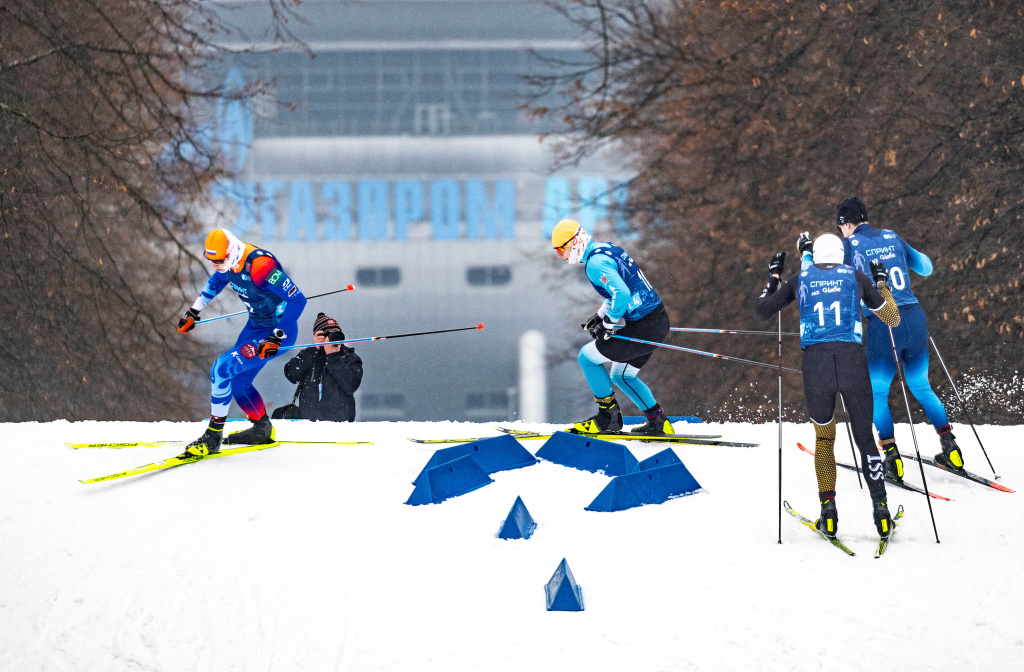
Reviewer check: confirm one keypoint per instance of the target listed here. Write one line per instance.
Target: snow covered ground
(305, 558)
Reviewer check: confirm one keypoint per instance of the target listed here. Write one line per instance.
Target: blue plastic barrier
(663, 459)
(498, 453)
(581, 452)
(447, 480)
(651, 486)
(519, 524)
(562, 592)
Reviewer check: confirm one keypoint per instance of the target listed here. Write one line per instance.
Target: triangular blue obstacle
(650, 486)
(562, 592)
(519, 524)
(492, 454)
(663, 459)
(447, 480)
(588, 454)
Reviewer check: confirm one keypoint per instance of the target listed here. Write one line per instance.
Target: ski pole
(731, 331)
(849, 433)
(243, 312)
(694, 330)
(963, 406)
(381, 338)
(780, 427)
(913, 434)
(701, 352)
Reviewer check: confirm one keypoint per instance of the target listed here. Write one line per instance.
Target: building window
(384, 276)
(383, 402)
(488, 276)
(487, 401)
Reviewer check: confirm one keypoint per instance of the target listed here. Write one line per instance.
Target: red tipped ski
(900, 484)
(961, 473)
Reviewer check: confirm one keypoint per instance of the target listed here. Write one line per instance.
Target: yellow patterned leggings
(824, 455)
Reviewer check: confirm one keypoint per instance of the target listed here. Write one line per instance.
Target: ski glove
(603, 330)
(188, 321)
(804, 243)
(778, 262)
(267, 348)
(878, 272)
(592, 322)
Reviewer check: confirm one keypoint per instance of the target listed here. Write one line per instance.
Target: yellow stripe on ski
(130, 444)
(155, 444)
(176, 462)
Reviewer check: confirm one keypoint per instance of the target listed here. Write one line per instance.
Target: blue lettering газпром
(408, 206)
(557, 204)
(373, 210)
(331, 211)
(479, 216)
(268, 215)
(338, 224)
(301, 212)
(594, 201)
(444, 209)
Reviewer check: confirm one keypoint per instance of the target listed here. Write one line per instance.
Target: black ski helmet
(851, 211)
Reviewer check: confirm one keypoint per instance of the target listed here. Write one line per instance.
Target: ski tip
(350, 288)
(999, 486)
(480, 326)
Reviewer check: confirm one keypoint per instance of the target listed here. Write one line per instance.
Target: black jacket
(327, 383)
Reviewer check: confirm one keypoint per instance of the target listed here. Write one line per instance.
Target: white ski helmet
(828, 249)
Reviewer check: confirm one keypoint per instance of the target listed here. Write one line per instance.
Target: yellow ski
(154, 444)
(130, 444)
(177, 462)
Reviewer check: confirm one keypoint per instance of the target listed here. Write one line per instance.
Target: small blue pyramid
(562, 592)
(519, 524)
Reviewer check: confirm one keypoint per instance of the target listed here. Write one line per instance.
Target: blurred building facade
(399, 159)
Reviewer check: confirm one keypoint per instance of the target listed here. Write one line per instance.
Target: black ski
(959, 472)
(521, 432)
(899, 484)
(653, 438)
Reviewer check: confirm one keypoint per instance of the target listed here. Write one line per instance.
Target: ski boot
(207, 444)
(655, 424)
(950, 455)
(828, 523)
(883, 521)
(893, 463)
(261, 432)
(608, 418)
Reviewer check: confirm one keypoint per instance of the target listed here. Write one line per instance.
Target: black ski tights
(840, 367)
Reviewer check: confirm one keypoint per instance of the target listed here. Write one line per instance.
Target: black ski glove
(878, 272)
(776, 265)
(591, 322)
(603, 330)
(804, 244)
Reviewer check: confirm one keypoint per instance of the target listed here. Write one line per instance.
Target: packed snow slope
(305, 558)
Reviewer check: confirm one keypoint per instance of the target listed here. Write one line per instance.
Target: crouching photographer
(327, 375)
